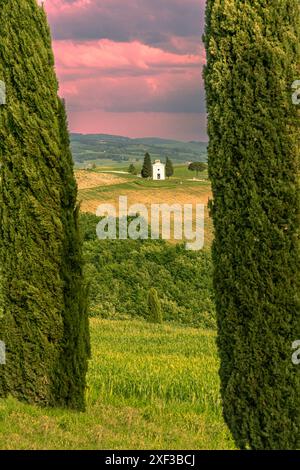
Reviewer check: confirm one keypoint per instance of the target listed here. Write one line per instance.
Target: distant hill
(105, 149)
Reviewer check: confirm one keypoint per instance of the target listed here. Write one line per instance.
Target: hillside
(101, 185)
(104, 149)
(127, 269)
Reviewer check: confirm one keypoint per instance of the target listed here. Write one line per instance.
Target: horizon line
(139, 138)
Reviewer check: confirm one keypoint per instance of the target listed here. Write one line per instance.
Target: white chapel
(158, 170)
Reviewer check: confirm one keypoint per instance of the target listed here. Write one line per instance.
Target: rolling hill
(104, 149)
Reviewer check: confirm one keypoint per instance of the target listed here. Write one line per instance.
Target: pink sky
(131, 67)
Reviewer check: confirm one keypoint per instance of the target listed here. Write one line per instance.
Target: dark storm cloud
(152, 22)
(181, 100)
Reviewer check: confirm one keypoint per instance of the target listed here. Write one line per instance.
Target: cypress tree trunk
(252, 60)
(44, 323)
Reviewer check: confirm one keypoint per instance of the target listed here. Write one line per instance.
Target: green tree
(132, 169)
(147, 167)
(197, 167)
(155, 313)
(44, 323)
(252, 60)
(169, 167)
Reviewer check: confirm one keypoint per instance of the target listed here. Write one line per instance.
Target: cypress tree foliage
(252, 60)
(147, 167)
(44, 322)
(169, 167)
(155, 313)
(70, 382)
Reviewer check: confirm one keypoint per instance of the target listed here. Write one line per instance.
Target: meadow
(149, 387)
(105, 184)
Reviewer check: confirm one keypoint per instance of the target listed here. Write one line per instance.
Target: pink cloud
(107, 56)
(58, 7)
(124, 76)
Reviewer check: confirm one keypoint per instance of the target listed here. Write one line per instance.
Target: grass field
(100, 186)
(149, 387)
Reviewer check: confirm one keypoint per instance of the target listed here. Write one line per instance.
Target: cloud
(152, 22)
(123, 77)
(128, 94)
(119, 57)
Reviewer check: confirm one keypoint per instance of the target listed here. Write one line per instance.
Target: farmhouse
(158, 170)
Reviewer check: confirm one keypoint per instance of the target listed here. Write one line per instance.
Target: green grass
(182, 178)
(149, 387)
(133, 183)
(103, 163)
(182, 171)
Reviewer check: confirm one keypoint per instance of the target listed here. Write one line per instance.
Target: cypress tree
(252, 60)
(155, 313)
(169, 167)
(147, 167)
(44, 323)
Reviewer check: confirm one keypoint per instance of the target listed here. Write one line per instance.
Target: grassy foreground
(149, 387)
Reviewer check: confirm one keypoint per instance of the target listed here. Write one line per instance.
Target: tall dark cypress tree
(252, 60)
(75, 347)
(147, 167)
(169, 167)
(44, 323)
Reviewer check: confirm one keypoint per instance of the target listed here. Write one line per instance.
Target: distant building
(158, 170)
